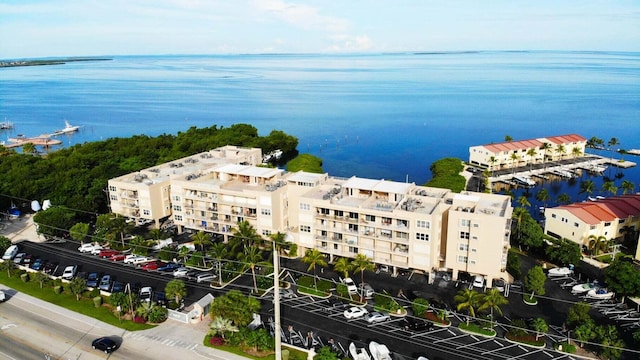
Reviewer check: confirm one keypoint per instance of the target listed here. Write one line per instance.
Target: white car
(10, 253)
(69, 272)
(351, 286)
(145, 293)
(87, 248)
(135, 259)
(205, 277)
(478, 281)
(376, 317)
(180, 272)
(96, 249)
(355, 312)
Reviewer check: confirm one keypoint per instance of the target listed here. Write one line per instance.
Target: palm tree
(219, 251)
(220, 325)
(145, 309)
(155, 233)
(342, 265)
(183, 253)
(314, 258)
(362, 263)
(492, 161)
(563, 199)
(246, 233)
(545, 147)
(514, 158)
(609, 187)
(177, 289)
(627, 187)
(576, 151)
(524, 202)
(250, 258)
(518, 214)
(29, 148)
(543, 196)
(531, 153)
(468, 299)
(587, 186)
(612, 142)
(560, 150)
(201, 238)
(597, 243)
(540, 326)
(492, 300)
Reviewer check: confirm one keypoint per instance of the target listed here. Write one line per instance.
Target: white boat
(68, 129)
(379, 351)
(583, 288)
(524, 180)
(358, 353)
(600, 294)
(561, 271)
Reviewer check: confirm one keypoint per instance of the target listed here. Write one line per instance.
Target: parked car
(413, 324)
(87, 248)
(105, 283)
(205, 277)
(104, 344)
(153, 265)
(50, 267)
(499, 284)
(287, 294)
(26, 260)
(355, 312)
(69, 272)
(192, 273)
(376, 317)
(180, 272)
(3, 297)
(10, 253)
(38, 264)
(145, 293)
(478, 281)
(18, 258)
(107, 253)
(366, 290)
(337, 303)
(169, 266)
(117, 287)
(136, 259)
(159, 298)
(92, 279)
(351, 286)
(96, 249)
(118, 257)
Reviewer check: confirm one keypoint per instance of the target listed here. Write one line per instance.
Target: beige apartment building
(510, 154)
(398, 225)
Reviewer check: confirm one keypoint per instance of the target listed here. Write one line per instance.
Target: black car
(104, 344)
(50, 267)
(92, 279)
(159, 298)
(117, 287)
(169, 267)
(413, 324)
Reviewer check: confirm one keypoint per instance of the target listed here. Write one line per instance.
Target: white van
(10, 253)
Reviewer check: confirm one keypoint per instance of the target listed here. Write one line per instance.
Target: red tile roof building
(581, 222)
(522, 152)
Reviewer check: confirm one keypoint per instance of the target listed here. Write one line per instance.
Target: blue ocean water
(386, 116)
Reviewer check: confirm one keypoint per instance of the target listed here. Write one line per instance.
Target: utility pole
(276, 302)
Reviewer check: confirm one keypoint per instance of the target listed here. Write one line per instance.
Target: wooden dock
(37, 141)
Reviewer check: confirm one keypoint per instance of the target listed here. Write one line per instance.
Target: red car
(117, 257)
(107, 253)
(153, 265)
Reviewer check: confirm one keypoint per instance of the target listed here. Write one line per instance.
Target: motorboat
(560, 271)
(583, 288)
(358, 353)
(524, 180)
(68, 129)
(600, 294)
(379, 351)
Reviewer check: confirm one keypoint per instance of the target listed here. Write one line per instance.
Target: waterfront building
(510, 154)
(397, 225)
(607, 218)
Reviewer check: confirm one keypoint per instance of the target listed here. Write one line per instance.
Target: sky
(58, 28)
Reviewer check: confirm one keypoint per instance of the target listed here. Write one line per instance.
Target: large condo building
(524, 152)
(398, 225)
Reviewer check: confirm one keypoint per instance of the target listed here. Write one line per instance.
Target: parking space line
(473, 343)
(500, 349)
(450, 338)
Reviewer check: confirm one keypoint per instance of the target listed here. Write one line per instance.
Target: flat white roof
(464, 197)
(259, 172)
(360, 183)
(378, 185)
(305, 177)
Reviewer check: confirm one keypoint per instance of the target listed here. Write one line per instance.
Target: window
(474, 250)
(339, 213)
(464, 235)
(266, 212)
(324, 211)
(266, 232)
(177, 217)
(370, 218)
(146, 212)
(553, 216)
(176, 198)
(353, 249)
(463, 247)
(335, 246)
(607, 223)
(353, 215)
(576, 224)
(305, 228)
(465, 222)
(422, 236)
(305, 207)
(353, 227)
(621, 221)
(113, 198)
(476, 225)
(177, 208)
(112, 188)
(423, 224)
(463, 259)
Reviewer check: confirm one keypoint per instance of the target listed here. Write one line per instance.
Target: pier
(38, 141)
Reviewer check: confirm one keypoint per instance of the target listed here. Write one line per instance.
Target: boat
(524, 180)
(358, 353)
(6, 125)
(583, 288)
(68, 129)
(561, 271)
(379, 351)
(600, 294)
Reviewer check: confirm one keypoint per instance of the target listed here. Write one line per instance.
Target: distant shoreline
(16, 63)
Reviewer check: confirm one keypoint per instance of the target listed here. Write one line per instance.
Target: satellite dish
(46, 204)
(35, 206)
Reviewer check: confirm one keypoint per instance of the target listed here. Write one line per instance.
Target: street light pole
(276, 302)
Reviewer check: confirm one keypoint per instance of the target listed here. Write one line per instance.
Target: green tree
(578, 313)
(177, 289)
(545, 148)
(260, 340)
(563, 199)
(246, 233)
(623, 278)
(305, 162)
(325, 353)
(543, 197)
(313, 257)
(236, 306)
(29, 148)
(535, 280)
(41, 278)
(540, 326)
(492, 160)
(342, 266)
(609, 187)
(219, 251)
(54, 221)
(560, 150)
(202, 239)
(524, 202)
(420, 306)
(5, 242)
(576, 152)
(596, 244)
(156, 234)
(587, 187)
(250, 258)
(467, 299)
(77, 286)
(7, 266)
(508, 138)
(627, 187)
(79, 231)
(145, 309)
(221, 326)
(564, 251)
(531, 153)
(492, 300)
(362, 263)
(585, 331)
(514, 161)
(513, 264)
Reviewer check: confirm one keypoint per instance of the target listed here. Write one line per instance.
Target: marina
(44, 140)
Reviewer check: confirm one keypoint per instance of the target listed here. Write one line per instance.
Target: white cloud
(346, 43)
(301, 16)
